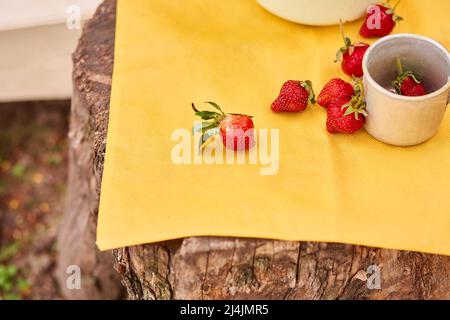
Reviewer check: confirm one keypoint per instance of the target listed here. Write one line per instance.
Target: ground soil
(33, 172)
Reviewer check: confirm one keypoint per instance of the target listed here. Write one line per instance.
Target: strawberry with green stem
(336, 90)
(408, 83)
(294, 97)
(236, 130)
(348, 117)
(351, 55)
(381, 19)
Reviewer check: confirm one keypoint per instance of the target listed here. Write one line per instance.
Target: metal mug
(399, 120)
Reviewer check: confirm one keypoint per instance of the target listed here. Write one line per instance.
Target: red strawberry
(408, 83)
(380, 20)
(335, 91)
(411, 87)
(294, 97)
(340, 122)
(236, 130)
(348, 117)
(352, 56)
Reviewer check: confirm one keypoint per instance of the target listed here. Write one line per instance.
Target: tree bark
(228, 268)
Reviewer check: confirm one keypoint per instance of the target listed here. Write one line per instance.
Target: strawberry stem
(396, 5)
(194, 108)
(403, 75)
(399, 66)
(391, 11)
(347, 40)
(341, 26)
(309, 87)
(216, 106)
(347, 43)
(357, 104)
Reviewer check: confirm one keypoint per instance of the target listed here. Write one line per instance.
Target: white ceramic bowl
(396, 119)
(317, 12)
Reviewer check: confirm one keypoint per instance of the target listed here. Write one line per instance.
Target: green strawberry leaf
(309, 87)
(207, 115)
(397, 18)
(338, 56)
(194, 108)
(240, 114)
(216, 106)
(349, 111)
(403, 75)
(345, 106)
(417, 78)
(204, 126)
(348, 42)
(397, 86)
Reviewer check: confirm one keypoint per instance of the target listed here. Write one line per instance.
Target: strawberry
(236, 130)
(352, 56)
(335, 91)
(294, 97)
(381, 19)
(348, 117)
(408, 83)
(411, 86)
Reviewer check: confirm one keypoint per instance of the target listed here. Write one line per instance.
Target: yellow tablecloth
(334, 188)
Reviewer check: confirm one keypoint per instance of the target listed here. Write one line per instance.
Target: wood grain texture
(229, 268)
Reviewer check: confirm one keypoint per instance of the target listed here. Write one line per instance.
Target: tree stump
(93, 64)
(223, 268)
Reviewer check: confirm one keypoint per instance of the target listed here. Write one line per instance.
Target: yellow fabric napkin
(333, 188)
